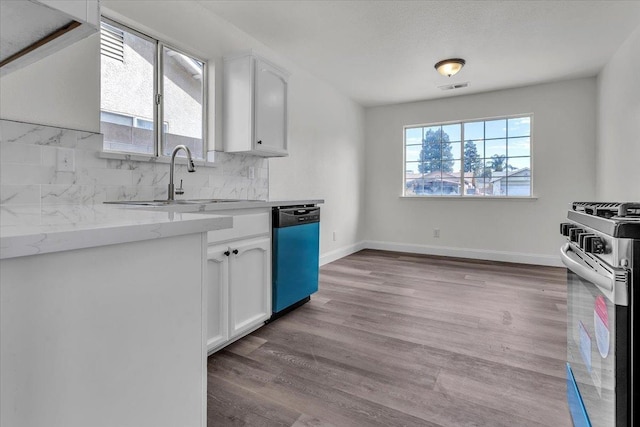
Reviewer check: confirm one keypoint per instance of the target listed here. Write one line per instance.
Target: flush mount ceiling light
(449, 67)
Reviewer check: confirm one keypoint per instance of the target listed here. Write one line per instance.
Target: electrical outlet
(436, 233)
(65, 161)
(251, 172)
(334, 236)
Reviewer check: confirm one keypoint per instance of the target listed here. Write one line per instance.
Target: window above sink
(153, 96)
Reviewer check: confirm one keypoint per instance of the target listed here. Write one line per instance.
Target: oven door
(597, 336)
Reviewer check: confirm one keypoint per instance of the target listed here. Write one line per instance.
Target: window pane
(474, 186)
(488, 168)
(495, 147)
(434, 166)
(413, 136)
(519, 126)
(413, 152)
(474, 148)
(519, 163)
(433, 186)
(412, 168)
(413, 187)
(519, 147)
(518, 181)
(474, 130)
(454, 149)
(450, 187)
(432, 134)
(183, 94)
(127, 94)
(455, 168)
(496, 128)
(519, 188)
(448, 153)
(453, 132)
(498, 186)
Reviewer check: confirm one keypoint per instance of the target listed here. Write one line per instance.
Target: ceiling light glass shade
(449, 67)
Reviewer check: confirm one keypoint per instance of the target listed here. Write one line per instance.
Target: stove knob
(574, 233)
(597, 246)
(565, 227)
(583, 237)
(594, 245)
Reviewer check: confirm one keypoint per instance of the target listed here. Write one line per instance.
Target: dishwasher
(295, 256)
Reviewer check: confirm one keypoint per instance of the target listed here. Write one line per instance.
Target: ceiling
(383, 52)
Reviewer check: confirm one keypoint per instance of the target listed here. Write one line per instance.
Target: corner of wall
(618, 124)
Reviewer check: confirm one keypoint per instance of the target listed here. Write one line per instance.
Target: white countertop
(225, 206)
(30, 230)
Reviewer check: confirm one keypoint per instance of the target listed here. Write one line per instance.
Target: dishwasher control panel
(290, 216)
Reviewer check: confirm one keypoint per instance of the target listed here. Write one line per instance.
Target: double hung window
(476, 158)
(145, 83)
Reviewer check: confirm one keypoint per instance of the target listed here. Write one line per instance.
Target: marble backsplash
(31, 173)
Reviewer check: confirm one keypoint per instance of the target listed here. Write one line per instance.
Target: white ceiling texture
(383, 52)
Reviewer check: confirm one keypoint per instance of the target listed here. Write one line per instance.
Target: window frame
(158, 101)
(462, 142)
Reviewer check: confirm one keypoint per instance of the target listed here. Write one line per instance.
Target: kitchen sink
(175, 202)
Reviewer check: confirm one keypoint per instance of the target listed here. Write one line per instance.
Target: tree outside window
(494, 160)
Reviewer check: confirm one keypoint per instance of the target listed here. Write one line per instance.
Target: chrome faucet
(190, 167)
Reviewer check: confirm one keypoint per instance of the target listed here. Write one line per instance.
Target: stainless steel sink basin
(174, 202)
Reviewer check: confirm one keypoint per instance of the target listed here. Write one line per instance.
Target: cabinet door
(270, 109)
(217, 296)
(249, 284)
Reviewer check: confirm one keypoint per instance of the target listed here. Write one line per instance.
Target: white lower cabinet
(249, 285)
(105, 336)
(238, 284)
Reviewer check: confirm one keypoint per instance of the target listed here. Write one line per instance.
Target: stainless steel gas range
(602, 254)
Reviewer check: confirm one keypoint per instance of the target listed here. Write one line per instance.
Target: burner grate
(608, 209)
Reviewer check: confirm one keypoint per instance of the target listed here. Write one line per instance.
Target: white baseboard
(340, 253)
(484, 254)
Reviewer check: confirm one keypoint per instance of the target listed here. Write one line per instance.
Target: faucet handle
(180, 190)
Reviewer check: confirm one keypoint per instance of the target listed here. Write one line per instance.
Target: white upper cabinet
(255, 106)
(33, 29)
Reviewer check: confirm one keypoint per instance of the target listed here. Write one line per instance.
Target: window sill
(155, 159)
(476, 198)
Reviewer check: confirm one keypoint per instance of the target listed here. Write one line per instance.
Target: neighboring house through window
(145, 82)
(475, 158)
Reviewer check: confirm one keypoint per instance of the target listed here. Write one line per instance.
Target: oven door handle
(615, 291)
(578, 266)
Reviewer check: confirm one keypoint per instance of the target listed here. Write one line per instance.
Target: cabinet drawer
(245, 225)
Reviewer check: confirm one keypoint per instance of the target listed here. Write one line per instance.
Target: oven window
(591, 332)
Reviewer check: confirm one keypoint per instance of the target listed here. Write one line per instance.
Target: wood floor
(404, 340)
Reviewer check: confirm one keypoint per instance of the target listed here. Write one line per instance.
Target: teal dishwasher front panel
(296, 252)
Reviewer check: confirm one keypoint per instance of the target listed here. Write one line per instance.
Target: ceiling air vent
(454, 86)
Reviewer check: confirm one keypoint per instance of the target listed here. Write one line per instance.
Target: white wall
(618, 143)
(326, 159)
(326, 139)
(563, 145)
